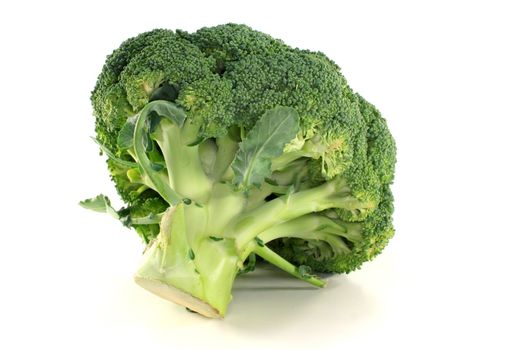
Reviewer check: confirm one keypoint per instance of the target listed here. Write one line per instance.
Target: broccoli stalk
(187, 266)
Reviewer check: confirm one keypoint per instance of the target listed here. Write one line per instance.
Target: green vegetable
(226, 144)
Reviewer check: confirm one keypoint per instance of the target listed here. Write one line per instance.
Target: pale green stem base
(192, 270)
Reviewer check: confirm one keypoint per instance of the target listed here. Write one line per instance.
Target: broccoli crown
(268, 121)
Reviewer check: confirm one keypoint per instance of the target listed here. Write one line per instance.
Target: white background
(448, 76)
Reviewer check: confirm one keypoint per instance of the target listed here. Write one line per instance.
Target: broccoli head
(226, 144)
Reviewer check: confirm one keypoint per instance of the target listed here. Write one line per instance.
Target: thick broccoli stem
(185, 172)
(185, 266)
(332, 194)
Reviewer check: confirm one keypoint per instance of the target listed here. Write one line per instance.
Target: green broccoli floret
(227, 144)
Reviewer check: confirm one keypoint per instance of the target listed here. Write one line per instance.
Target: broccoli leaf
(155, 111)
(265, 141)
(125, 136)
(166, 109)
(100, 204)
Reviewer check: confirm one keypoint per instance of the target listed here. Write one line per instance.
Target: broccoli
(229, 146)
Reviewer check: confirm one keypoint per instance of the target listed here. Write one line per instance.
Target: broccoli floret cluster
(226, 144)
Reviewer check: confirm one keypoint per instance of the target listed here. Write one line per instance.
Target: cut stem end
(177, 296)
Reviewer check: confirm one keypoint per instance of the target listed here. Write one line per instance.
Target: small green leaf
(213, 238)
(259, 241)
(155, 111)
(167, 109)
(186, 201)
(265, 141)
(191, 254)
(100, 204)
(125, 135)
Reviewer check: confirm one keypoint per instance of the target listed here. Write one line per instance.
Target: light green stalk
(189, 268)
